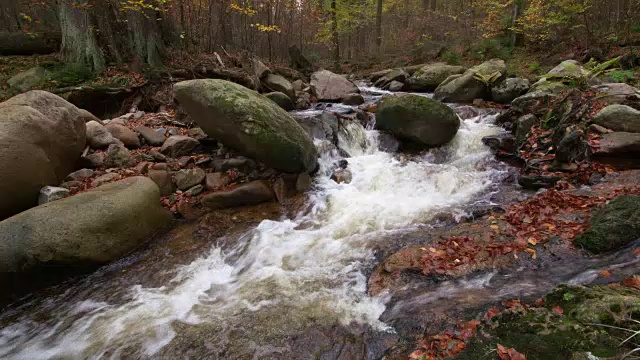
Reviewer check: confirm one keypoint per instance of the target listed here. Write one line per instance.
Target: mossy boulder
(509, 89)
(417, 119)
(613, 226)
(475, 83)
(248, 122)
(29, 79)
(429, 77)
(568, 70)
(548, 86)
(398, 75)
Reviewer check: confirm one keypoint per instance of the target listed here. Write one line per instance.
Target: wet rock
(162, 178)
(342, 176)
(80, 175)
(252, 193)
(509, 89)
(388, 143)
(321, 127)
(117, 156)
(195, 191)
(535, 182)
(51, 193)
(417, 119)
(98, 136)
(42, 138)
(178, 145)
(378, 74)
(429, 77)
(303, 182)
(217, 180)
(277, 83)
(523, 126)
(285, 187)
(331, 87)
(620, 147)
(129, 138)
(90, 228)
(188, 178)
(94, 160)
(341, 164)
(103, 179)
(474, 83)
(505, 143)
(529, 101)
(618, 118)
(352, 99)
(467, 112)
(151, 136)
(395, 75)
(243, 119)
(613, 226)
(395, 86)
(282, 99)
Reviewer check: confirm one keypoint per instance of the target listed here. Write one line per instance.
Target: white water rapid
(283, 275)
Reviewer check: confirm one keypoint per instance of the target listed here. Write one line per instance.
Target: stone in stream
(128, 137)
(417, 119)
(613, 226)
(277, 83)
(397, 75)
(342, 176)
(151, 136)
(395, 86)
(429, 77)
(473, 84)
(505, 143)
(252, 193)
(331, 87)
(88, 229)
(244, 120)
(535, 182)
(282, 100)
(352, 99)
(98, 136)
(509, 89)
(51, 193)
(188, 178)
(618, 118)
(178, 145)
(42, 137)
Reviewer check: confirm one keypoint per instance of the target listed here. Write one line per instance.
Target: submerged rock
(42, 137)
(243, 119)
(417, 119)
(613, 226)
(90, 228)
(535, 182)
(342, 176)
(331, 87)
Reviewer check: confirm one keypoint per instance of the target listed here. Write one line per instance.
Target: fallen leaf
(531, 252)
(636, 251)
(557, 310)
(532, 241)
(495, 227)
(605, 273)
(632, 282)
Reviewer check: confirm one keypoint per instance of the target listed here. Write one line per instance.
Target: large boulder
(618, 118)
(473, 84)
(568, 70)
(509, 89)
(398, 75)
(252, 193)
(331, 87)
(29, 79)
(42, 137)
(620, 148)
(617, 93)
(244, 120)
(613, 226)
(90, 228)
(278, 83)
(417, 119)
(429, 77)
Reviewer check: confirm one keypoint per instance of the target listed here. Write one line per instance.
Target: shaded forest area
(120, 39)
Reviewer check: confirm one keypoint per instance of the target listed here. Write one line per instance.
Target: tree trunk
(79, 42)
(379, 28)
(145, 37)
(334, 35)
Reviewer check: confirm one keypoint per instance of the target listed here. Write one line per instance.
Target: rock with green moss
(473, 84)
(398, 75)
(417, 119)
(509, 89)
(429, 77)
(29, 79)
(549, 86)
(282, 100)
(613, 226)
(243, 119)
(568, 70)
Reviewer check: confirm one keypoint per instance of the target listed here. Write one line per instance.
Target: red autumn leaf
(557, 310)
(632, 282)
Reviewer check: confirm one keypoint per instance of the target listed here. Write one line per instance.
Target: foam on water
(314, 261)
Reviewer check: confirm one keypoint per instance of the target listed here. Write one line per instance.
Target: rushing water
(278, 278)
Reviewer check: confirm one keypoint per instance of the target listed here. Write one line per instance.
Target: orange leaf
(557, 310)
(632, 282)
(605, 273)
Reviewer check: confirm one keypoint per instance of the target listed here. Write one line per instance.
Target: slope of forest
(330, 179)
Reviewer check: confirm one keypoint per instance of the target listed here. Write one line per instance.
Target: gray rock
(29, 79)
(352, 99)
(397, 75)
(98, 136)
(503, 143)
(188, 178)
(527, 102)
(128, 137)
(620, 144)
(80, 175)
(536, 182)
(195, 191)
(618, 118)
(509, 89)
(252, 193)
(259, 69)
(395, 86)
(94, 160)
(51, 193)
(197, 133)
(93, 227)
(342, 176)
(162, 178)
(216, 181)
(278, 83)
(331, 87)
(429, 77)
(304, 101)
(282, 100)
(473, 84)
(240, 163)
(71, 185)
(418, 119)
(178, 145)
(151, 136)
(103, 179)
(617, 93)
(322, 127)
(298, 85)
(244, 120)
(117, 156)
(523, 126)
(42, 137)
(157, 156)
(303, 182)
